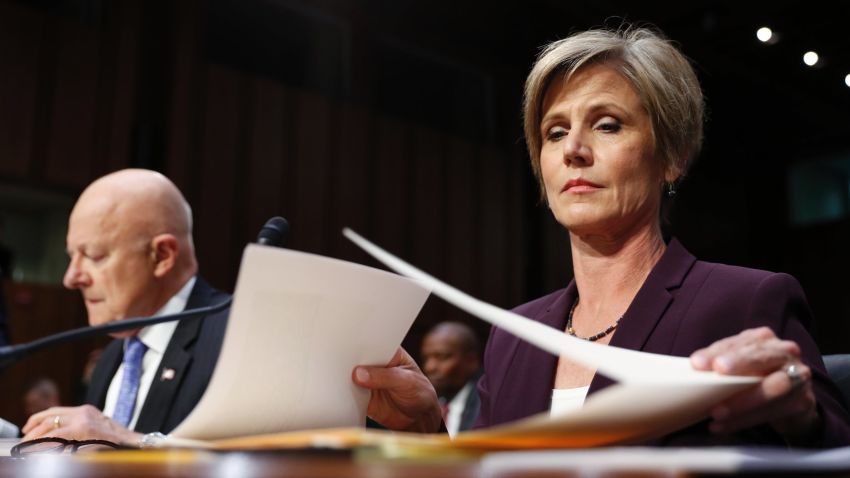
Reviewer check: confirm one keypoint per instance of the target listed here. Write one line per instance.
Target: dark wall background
(401, 119)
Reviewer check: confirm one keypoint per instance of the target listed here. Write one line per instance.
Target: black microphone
(273, 233)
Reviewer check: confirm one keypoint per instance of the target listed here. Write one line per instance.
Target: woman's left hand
(785, 398)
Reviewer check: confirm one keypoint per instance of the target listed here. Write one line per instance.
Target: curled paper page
(626, 366)
(299, 325)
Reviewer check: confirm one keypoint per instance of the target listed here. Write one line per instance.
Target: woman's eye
(555, 134)
(610, 126)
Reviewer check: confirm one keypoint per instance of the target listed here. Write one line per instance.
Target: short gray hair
(663, 78)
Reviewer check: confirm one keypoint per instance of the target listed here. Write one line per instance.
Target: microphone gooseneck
(11, 353)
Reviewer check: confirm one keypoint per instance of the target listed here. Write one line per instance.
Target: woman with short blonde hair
(613, 119)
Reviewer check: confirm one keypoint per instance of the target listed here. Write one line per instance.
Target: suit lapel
(174, 365)
(471, 407)
(529, 380)
(649, 305)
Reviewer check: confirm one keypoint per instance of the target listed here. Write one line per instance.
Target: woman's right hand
(402, 397)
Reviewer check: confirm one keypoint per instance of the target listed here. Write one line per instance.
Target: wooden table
(316, 464)
(231, 464)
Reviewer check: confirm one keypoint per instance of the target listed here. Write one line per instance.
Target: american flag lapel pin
(167, 374)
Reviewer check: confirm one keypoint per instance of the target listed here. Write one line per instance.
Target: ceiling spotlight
(847, 80)
(767, 36)
(810, 58)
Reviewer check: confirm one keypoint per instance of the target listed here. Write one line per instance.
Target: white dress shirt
(156, 338)
(456, 406)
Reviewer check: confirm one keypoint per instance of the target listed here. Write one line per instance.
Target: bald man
(132, 255)
(450, 361)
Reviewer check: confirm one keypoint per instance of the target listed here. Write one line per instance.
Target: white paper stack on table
(300, 323)
(656, 394)
(644, 461)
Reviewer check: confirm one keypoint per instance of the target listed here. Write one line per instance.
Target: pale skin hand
(790, 410)
(78, 423)
(402, 397)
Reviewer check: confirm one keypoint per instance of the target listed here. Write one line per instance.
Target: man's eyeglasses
(55, 446)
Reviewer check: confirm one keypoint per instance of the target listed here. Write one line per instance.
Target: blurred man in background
(450, 357)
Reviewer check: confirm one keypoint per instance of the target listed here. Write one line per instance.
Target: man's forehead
(442, 340)
(95, 202)
(91, 222)
(83, 238)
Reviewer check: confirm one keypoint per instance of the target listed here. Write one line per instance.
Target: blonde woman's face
(597, 155)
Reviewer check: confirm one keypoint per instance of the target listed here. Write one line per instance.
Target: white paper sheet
(298, 326)
(6, 445)
(626, 366)
(670, 460)
(621, 413)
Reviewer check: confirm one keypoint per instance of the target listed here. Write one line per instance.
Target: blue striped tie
(133, 355)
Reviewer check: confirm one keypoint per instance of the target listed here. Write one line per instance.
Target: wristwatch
(152, 440)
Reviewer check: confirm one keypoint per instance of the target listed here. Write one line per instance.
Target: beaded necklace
(592, 338)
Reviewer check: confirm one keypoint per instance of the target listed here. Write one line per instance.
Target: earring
(671, 190)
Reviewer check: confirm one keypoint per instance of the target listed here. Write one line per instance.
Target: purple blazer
(684, 305)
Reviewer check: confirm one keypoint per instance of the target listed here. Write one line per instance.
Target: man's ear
(165, 249)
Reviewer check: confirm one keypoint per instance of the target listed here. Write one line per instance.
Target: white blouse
(566, 400)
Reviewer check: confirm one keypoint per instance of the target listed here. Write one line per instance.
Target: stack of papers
(656, 394)
(656, 460)
(300, 323)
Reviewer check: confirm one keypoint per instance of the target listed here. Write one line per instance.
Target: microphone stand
(11, 353)
(272, 234)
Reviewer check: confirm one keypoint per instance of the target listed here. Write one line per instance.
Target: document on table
(656, 393)
(666, 461)
(298, 326)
